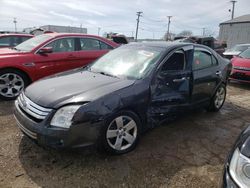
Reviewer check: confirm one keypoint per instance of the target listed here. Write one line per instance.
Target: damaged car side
(127, 91)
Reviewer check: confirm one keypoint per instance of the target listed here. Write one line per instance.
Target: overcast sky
(120, 15)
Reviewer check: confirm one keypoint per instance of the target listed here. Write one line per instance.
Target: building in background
(55, 28)
(235, 31)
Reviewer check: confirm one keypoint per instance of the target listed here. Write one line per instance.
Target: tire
(120, 133)
(12, 82)
(218, 99)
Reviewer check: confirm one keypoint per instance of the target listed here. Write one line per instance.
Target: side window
(5, 41)
(25, 38)
(89, 44)
(214, 60)
(63, 45)
(105, 46)
(8, 41)
(202, 60)
(175, 62)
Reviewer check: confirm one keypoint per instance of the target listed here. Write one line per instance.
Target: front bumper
(240, 75)
(79, 135)
(227, 179)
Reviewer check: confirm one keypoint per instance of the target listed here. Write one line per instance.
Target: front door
(64, 57)
(170, 91)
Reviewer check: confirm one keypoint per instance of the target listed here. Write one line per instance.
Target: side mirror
(45, 50)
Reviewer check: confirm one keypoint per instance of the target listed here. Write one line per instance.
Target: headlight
(64, 115)
(240, 169)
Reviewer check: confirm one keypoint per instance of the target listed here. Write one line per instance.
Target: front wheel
(218, 99)
(121, 133)
(12, 82)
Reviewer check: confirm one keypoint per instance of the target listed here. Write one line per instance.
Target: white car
(236, 50)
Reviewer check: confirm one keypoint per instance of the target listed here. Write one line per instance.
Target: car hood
(241, 62)
(73, 87)
(9, 51)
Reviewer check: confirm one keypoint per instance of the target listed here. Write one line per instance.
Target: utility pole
(169, 21)
(99, 29)
(15, 22)
(233, 2)
(137, 25)
(203, 31)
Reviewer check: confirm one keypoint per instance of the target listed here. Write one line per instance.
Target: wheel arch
(19, 70)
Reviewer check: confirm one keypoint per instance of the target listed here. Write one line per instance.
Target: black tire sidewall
(103, 143)
(19, 73)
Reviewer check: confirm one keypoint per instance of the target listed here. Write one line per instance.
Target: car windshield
(245, 54)
(238, 48)
(30, 44)
(131, 63)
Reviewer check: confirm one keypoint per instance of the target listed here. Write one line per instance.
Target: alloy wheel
(11, 85)
(219, 97)
(121, 133)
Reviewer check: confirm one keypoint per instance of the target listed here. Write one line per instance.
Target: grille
(31, 108)
(242, 68)
(240, 76)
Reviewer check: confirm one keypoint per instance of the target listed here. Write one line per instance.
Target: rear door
(91, 49)
(206, 75)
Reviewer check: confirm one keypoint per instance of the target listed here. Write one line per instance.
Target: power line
(137, 25)
(153, 20)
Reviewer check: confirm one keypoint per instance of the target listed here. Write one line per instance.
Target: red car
(11, 40)
(241, 67)
(45, 55)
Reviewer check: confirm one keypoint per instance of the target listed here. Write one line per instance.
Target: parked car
(211, 42)
(13, 39)
(241, 67)
(237, 167)
(45, 55)
(125, 92)
(236, 50)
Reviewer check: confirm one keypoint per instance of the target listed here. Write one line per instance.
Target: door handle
(180, 79)
(218, 73)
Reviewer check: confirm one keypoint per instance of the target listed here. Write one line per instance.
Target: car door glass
(63, 45)
(4, 41)
(202, 60)
(105, 46)
(175, 62)
(89, 44)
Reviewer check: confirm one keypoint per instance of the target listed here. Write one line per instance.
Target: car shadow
(241, 85)
(192, 144)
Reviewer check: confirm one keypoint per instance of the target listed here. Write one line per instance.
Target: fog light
(246, 170)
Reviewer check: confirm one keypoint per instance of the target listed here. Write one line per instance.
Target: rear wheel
(12, 82)
(121, 133)
(218, 99)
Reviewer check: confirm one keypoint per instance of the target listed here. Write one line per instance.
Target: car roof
(166, 45)
(16, 34)
(71, 34)
(57, 35)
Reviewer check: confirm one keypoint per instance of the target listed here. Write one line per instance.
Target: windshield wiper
(107, 74)
(14, 48)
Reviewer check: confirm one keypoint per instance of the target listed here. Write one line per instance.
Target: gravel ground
(188, 152)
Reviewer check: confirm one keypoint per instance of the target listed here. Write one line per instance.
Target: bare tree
(185, 33)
